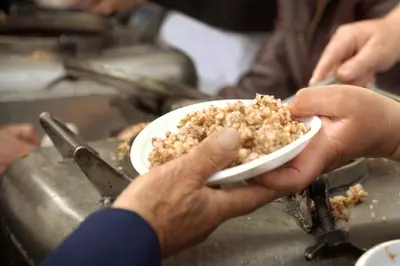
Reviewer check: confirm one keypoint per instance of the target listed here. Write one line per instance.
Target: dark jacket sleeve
(371, 9)
(109, 237)
(269, 73)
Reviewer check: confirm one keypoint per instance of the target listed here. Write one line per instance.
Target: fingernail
(228, 139)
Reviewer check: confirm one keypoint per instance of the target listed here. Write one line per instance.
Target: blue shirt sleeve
(109, 237)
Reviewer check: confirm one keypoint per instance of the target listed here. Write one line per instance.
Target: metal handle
(319, 194)
(132, 84)
(328, 81)
(62, 137)
(332, 241)
(107, 180)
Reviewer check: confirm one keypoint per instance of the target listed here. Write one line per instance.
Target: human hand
(106, 7)
(359, 50)
(16, 140)
(356, 123)
(175, 201)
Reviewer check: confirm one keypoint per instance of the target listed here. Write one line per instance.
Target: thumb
(330, 101)
(314, 101)
(365, 61)
(213, 154)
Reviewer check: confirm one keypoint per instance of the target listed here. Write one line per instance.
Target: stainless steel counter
(60, 197)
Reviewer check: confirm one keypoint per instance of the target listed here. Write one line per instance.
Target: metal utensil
(327, 81)
(107, 180)
(135, 85)
(331, 241)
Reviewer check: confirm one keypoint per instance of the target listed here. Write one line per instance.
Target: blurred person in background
(15, 141)
(222, 37)
(287, 60)
(359, 50)
(4, 6)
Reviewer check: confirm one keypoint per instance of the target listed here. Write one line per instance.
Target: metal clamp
(62, 137)
(299, 206)
(107, 180)
(331, 241)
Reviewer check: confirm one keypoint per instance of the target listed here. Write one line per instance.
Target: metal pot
(31, 29)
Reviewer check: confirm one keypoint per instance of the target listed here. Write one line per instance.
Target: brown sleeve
(269, 73)
(370, 9)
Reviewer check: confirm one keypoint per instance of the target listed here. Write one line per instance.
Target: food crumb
(123, 150)
(390, 254)
(371, 207)
(39, 56)
(132, 131)
(113, 157)
(340, 205)
(24, 155)
(374, 201)
(373, 215)
(384, 219)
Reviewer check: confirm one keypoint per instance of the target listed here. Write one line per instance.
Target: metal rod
(328, 81)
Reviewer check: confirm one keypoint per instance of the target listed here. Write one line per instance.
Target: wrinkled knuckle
(172, 170)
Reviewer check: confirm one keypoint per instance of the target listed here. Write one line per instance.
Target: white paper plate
(385, 254)
(142, 145)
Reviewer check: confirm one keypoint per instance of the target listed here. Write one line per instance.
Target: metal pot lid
(53, 23)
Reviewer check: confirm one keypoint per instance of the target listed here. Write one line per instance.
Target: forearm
(392, 140)
(109, 237)
(393, 20)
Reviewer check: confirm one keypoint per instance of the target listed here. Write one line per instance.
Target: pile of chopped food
(340, 205)
(126, 136)
(39, 56)
(128, 133)
(265, 126)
